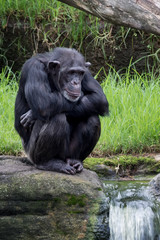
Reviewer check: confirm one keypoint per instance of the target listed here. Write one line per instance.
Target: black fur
(57, 109)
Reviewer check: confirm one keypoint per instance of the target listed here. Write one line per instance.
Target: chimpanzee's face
(69, 78)
(70, 82)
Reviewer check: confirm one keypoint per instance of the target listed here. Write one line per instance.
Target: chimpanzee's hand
(27, 120)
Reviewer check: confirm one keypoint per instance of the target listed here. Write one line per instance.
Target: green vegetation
(132, 127)
(9, 140)
(28, 9)
(50, 17)
(134, 122)
(123, 164)
(76, 200)
(55, 22)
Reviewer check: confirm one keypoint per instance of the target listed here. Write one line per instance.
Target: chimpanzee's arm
(41, 100)
(94, 100)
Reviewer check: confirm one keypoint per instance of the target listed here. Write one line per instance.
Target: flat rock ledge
(41, 205)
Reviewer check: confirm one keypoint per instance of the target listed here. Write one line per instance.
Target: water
(133, 212)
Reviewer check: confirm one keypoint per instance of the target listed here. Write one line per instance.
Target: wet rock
(155, 186)
(47, 205)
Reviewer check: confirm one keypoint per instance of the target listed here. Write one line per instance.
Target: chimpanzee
(57, 110)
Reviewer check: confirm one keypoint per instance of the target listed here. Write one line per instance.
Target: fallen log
(140, 14)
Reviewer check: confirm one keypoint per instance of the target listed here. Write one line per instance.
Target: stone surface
(44, 205)
(157, 157)
(155, 186)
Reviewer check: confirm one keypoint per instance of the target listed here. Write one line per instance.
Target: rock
(155, 186)
(104, 170)
(46, 205)
(157, 157)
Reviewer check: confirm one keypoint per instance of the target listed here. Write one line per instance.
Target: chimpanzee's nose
(75, 82)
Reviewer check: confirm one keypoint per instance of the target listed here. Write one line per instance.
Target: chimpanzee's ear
(54, 66)
(87, 64)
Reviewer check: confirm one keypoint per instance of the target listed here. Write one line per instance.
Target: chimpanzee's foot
(57, 166)
(77, 164)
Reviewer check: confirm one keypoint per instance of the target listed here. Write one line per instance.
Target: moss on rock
(125, 164)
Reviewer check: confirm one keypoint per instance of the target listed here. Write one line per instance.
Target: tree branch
(140, 14)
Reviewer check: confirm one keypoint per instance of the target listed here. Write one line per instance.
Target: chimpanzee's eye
(81, 72)
(75, 73)
(71, 72)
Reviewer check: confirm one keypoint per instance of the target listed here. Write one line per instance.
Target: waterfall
(135, 221)
(133, 213)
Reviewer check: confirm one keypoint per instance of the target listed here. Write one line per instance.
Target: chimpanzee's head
(70, 68)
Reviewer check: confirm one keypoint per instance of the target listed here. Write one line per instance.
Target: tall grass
(28, 8)
(9, 140)
(134, 122)
(132, 127)
(49, 17)
(57, 24)
(53, 18)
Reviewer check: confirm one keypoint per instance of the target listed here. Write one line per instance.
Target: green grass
(52, 19)
(47, 12)
(9, 140)
(58, 22)
(132, 127)
(134, 122)
(28, 9)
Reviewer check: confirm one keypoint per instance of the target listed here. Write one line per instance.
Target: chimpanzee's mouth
(73, 97)
(73, 94)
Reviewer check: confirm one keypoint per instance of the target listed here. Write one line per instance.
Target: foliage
(9, 140)
(134, 122)
(50, 17)
(123, 163)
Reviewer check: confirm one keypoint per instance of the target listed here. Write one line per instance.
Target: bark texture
(140, 14)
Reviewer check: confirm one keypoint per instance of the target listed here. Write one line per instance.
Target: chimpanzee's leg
(83, 139)
(49, 143)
